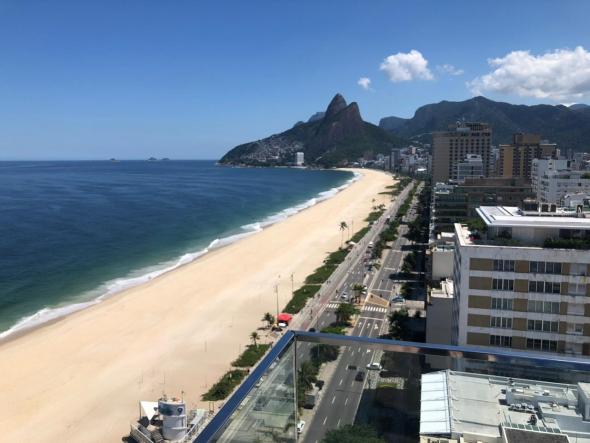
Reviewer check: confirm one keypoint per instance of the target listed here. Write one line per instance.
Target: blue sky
(191, 79)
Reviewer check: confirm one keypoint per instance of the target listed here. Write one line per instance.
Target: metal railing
(560, 366)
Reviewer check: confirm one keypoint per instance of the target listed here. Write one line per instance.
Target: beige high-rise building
(524, 283)
(451, 147)
(516, 159)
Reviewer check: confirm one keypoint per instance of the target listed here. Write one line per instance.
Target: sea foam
(142, 276)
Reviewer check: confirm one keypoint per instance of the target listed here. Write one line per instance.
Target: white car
(300, 426)
(344, 296)
(375, 366)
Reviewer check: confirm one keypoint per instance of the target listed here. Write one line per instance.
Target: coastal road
(343, 389)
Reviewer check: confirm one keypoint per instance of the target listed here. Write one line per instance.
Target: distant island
(335, 137)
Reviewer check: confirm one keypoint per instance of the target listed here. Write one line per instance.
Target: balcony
(311, 387)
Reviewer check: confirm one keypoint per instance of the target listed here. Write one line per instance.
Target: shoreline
(178, 332)
(53, 314)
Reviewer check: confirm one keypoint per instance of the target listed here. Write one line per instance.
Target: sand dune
(79, 379)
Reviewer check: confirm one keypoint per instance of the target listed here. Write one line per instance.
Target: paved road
(342, 389)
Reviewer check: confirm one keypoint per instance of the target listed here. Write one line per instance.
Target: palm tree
(269, 319)
(343, 226)
(254, 337)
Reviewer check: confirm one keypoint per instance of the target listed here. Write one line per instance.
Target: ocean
(73, 233)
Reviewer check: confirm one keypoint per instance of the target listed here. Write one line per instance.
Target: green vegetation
(269, 319)
(476, 224)
(345, 312)
(398, 322)
(300, 297)
(334, 329)
(353, 434)
(225, 386)
(571, 243)
(374, 215)
(250, 356)
(360, 234)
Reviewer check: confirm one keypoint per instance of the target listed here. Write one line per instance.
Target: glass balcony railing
(314, 387)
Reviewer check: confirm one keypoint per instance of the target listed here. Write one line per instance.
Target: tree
(357, 288)
(353, 434)
(254, 337)
(343, 226)
(345, 312)
(398, 321)
(269, 319)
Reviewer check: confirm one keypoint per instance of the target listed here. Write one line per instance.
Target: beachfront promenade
(351, 266)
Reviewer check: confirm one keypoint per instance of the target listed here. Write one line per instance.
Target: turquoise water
(73, 233)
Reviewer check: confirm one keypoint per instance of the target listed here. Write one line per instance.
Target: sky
(192, 79)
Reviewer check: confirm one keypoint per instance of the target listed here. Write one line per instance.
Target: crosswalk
(364, 309)
(374, 309)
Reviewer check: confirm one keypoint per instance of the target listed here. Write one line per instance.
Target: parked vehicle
(374, 366)
(360, 376)
(300, 426)
(398, 299)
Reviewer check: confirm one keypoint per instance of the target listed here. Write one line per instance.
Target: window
(501, 322)
(541, 267)
(501, 340)
(547, 307)
(504, 265)
(541, 345)
(504, 304)
(547, 287)
(543, 326)
(576, 289)
(502, 284)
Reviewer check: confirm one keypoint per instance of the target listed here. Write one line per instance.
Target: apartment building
(470, 167)
(553, 179)
(516, 159)
(525, 283)
(457, 203)
(453, 146)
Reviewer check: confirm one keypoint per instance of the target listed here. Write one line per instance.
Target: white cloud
(403, 67)
(561, 75)
(449, 69)
(365, 83)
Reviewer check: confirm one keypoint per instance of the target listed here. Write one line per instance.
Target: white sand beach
(79, 379)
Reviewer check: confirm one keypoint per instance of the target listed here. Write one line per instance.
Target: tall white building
(299, 159)
(552, 179)
(525, 284)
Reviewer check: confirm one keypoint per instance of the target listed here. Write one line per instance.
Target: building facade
(470, 167)
(453, 146)
(299, 158)
(553, 179)
(523, 286)
(516, 159)
(458, 203)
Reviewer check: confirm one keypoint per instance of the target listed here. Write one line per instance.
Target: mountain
(578, 106)
(335, 138)
(569, 128)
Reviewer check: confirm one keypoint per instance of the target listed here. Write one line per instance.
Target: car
(374, 366)
(352, 367)
(311, 329)
(300, 426)
(360, 376)
(398, 299)
(344, 296)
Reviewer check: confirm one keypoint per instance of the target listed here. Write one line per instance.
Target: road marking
(338, 425)
(339, 384)
(333, 399)
(325, 420)
(346, 401)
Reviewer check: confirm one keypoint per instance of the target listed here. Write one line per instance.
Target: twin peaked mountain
(338, 136)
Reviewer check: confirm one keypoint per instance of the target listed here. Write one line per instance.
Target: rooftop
(512, 216)
(457, 403)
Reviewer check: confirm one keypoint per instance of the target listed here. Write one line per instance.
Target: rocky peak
(336, 105)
